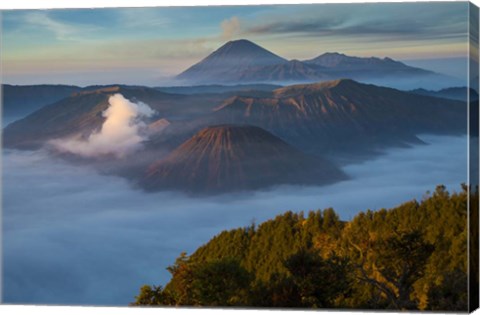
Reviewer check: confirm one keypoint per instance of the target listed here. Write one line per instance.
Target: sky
(149, 45)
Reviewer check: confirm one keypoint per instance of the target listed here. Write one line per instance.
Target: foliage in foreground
(413, 256)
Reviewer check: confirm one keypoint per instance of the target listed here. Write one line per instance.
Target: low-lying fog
(71, 236)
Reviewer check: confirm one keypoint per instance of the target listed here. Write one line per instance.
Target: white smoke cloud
(121, 133)
(230, 28)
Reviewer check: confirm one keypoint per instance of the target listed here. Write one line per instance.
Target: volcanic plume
(119, 135)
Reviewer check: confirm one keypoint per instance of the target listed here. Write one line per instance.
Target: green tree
(220, 283)
(450, 294)
(395, 264)
(179, 287)
(319, 282)
(152, 295)
(279, 291)
(380, 259)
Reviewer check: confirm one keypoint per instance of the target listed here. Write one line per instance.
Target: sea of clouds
(72, 236)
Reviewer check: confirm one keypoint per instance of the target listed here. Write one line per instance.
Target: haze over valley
(55, 232)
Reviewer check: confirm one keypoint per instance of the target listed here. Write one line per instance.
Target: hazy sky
(147, 45)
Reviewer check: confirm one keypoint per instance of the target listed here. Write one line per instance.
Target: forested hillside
(413, 256)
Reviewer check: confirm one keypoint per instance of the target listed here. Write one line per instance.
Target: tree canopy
(413, 256)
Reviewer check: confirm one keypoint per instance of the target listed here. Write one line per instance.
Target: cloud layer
(378, 19)
(72, 236)
(121, 133)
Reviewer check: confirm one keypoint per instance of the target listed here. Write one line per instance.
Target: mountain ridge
(339, 118)
(335, 59)
(344, 115)
(234, 157)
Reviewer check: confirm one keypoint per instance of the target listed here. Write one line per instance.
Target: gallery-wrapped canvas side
(473, 159)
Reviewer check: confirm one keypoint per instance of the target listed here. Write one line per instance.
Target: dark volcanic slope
(229, 158)
(344, 114)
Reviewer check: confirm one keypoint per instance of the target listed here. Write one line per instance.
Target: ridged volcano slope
(229, 158)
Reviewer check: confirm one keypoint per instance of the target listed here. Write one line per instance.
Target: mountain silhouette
(243, 61)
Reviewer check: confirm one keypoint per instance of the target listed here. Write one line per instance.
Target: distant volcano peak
(233, 57)
(247, 48)
(242, 41)
(333, 54)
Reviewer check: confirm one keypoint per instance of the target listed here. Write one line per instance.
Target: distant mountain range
(453, 93)
(22, 100)
(316, 115)
(231, 134)
(244, 61)
(249, 132)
